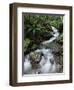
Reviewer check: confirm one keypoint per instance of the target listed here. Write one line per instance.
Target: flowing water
(44, 61)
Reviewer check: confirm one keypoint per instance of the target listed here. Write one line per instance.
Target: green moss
(33, 56)
(26, 42)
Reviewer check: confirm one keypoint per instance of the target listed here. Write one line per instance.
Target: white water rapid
(55, 34)
(44, 62)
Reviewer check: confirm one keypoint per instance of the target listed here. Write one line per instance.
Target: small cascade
(44, 60)
(54, 34)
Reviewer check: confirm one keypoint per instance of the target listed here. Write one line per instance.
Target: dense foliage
(37, 28)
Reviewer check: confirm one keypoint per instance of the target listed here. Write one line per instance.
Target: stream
(42, 61)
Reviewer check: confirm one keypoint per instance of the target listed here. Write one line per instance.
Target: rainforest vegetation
(37, 28)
